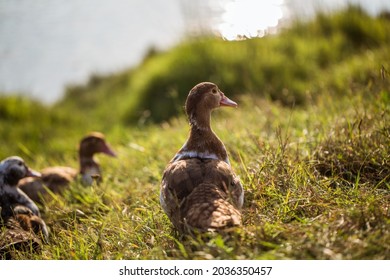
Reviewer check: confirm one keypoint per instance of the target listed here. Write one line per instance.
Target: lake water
(47, 44)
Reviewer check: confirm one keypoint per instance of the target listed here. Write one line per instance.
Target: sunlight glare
(249, 18)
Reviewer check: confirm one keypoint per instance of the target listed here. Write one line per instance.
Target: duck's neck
(9, 179)
(200, 121)
(202, 143)
(86, 162)
(89, 168)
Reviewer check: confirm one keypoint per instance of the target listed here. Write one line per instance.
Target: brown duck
(58, 178)
(199, 190)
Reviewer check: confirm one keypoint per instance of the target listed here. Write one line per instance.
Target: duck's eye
(214, 91)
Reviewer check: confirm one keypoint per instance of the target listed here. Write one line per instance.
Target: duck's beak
(227, 102)
(33, 173)
(108, 150)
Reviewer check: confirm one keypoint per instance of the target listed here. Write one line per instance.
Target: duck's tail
(209, 208)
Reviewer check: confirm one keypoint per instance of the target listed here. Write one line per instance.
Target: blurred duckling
(22, 231)
(13, 169)
(20, 222)
(58, 178)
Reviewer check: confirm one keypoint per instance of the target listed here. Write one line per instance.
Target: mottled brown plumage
(199, 190)
(23, 231)
(58, 178)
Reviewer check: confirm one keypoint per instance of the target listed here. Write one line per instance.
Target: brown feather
(23, 231)
(202, 194)
(56, 178)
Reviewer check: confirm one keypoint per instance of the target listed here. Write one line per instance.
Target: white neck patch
(195, 154)
(194, 123)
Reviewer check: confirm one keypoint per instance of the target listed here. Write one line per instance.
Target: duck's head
(202, 99)
(12, 169)
(95, 143)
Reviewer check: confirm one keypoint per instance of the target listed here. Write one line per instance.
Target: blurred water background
(48, 44)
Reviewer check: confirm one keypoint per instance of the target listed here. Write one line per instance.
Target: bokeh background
(46, 45)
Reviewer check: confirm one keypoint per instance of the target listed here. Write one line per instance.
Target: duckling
(20, 222)
(12, 169)
(58, 178)
(199, 191)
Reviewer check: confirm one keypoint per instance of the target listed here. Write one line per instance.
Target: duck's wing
(201, 194)
(58, 176)
(55, 178)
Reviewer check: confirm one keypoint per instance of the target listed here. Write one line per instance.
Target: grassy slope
(286, 68)
(316, 175)
(298, 205)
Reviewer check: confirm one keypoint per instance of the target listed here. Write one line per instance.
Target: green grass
(315, 172)
(305, 197)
